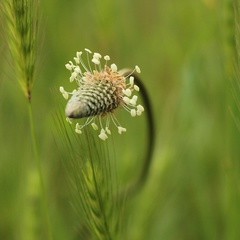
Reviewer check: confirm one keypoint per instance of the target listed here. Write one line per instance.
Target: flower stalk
(137, 183)
(102, 90)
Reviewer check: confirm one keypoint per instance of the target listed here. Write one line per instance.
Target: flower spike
(100, 91)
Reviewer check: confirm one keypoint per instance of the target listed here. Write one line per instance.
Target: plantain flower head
(100, 91)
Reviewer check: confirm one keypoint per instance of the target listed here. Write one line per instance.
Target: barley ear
(21, 31)
(93, 182)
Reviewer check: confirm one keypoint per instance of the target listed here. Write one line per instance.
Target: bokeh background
(189, 62)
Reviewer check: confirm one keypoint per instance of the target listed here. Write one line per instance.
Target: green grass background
(187, 54)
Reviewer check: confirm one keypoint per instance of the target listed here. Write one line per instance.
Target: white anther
(126, 100)
(68, 120)
(76, 59)
(96, 61)
(61, 89)
(108, 131)
(114, 67)
(97, 55)
(137, 69)
(73, 76)
(78, 128)
(64, 93)
(133, 101)
(107, 58)
(139, 112)
(94, 126)
(127, 92)
(79, 54)
(131, 80)
(135, 97)
(136, 88)
(87, 50)
(68, 66)
(77, 69)
(121, 129)
(133, 112)
(140, 108)
(103, 135)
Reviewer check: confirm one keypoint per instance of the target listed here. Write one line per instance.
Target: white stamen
(77, 69)
(94, 126)
(79, 54)
(68, 66)
(133, 112)
(121, 129)
(133, 101)
(87, 50)
(137, 69)
(73, 76)
(107, 58)
(78, 131)
(114, 67)
(131, 80)
(78, 128)
(76, 59)
(136, 88)
(140, 108)
(97, 55)
(64, 93)
(126, 100)
(108, 131)
(127, 92)
(135, 97)
(103, 135)
(139, 112)
(61, 89)
(96, 61)
(68, 120)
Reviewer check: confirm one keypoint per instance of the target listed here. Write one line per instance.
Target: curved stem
(38, 163)
(137, 184)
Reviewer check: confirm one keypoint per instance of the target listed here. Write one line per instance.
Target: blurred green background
(186, 52)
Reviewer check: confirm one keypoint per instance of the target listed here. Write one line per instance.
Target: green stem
(138, 183)
(38, 163)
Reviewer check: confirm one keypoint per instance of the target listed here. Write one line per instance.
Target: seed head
(100, 91)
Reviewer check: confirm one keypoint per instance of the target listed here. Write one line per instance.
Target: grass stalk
(21, 18)
(38, 164)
